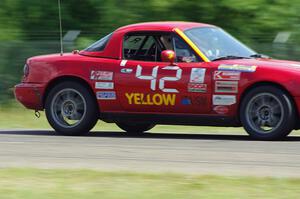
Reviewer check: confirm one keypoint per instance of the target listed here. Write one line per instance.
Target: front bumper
(30, 95)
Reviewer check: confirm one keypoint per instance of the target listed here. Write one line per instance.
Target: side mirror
(168, 56)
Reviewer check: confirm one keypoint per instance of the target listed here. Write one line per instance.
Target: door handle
(126, 70)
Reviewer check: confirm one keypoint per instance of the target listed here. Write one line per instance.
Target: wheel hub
(68, 108)
(264, 113)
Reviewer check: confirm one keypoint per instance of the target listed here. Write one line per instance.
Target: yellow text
(151, 99)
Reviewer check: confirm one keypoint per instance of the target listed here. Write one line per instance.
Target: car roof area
(114, 47)
(162, 26)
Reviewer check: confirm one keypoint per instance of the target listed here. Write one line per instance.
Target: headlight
(26, 70)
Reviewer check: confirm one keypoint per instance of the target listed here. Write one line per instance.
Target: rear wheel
(134, 129)
(71, 109)
(267, 113)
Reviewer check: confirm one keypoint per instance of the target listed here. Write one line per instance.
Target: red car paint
(133, 95)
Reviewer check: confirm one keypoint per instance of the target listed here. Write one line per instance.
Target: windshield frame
(237, 42)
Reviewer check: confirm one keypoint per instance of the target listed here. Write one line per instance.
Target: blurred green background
(31, 27)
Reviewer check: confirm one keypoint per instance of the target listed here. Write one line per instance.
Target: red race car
(176, 73)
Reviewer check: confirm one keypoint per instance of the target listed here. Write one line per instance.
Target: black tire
(267, 113)
(135, 129)
(71, 101)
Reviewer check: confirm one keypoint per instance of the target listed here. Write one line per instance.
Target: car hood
(265, 63)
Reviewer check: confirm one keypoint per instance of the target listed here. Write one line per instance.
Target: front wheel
(267, 113)
(135, 129)
(71, 109)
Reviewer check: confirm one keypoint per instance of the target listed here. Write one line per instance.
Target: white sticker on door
(101, 75)
(104, 85)
(197, 75)
(226, 87)
(111, 95)
(224, 100)
(227, 75)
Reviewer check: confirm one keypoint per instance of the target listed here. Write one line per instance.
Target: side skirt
(193, 120)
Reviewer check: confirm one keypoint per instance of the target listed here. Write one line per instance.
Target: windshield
(215, 43)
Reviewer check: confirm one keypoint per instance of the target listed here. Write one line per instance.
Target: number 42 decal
(153, 78)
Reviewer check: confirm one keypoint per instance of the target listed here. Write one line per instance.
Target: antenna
(60, 29)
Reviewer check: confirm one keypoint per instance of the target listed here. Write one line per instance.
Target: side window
(140, 47)
(99, 45)
(131, 46)
(148, 47)
(183, 51)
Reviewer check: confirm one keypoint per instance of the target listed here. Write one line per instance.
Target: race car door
(146, 84)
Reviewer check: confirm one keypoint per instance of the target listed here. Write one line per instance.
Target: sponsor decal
(123, 63)
(197, 75)
(227, 75)
(109, 95)
(101, 75)
(221, 109)
(104, 85)
(236, 67)
(226, 87)
(126, 70)
(197, 88)
(151, 99)
(186, 101)
(224, 100)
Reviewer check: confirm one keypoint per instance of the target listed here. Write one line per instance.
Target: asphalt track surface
(184, 153)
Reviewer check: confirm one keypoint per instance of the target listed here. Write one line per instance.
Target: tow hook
(37, 114)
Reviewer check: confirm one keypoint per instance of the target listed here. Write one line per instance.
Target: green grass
(85, 184)
(15, 116)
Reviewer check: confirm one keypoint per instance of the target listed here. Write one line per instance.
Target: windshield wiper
(259, 56)
(230, 57)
